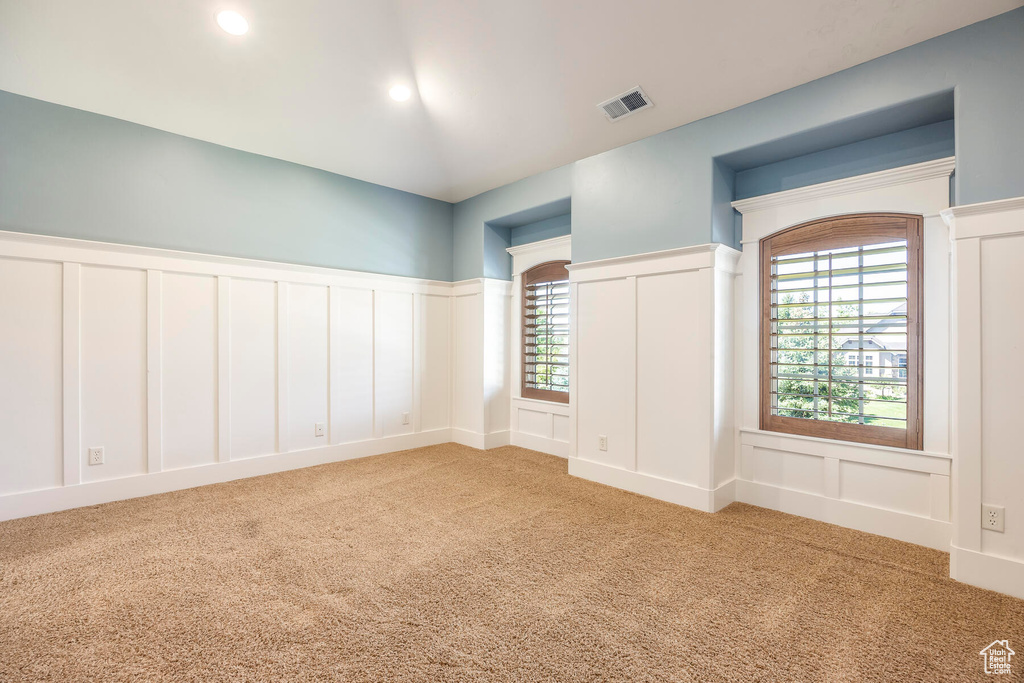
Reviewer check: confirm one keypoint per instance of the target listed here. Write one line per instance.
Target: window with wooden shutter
(546, 332)
(841, 329)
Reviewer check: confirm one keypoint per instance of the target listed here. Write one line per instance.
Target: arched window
(546, 332)
(841, 329)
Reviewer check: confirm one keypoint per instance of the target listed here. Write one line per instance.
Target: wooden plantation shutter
(546, 332)
(841, 329)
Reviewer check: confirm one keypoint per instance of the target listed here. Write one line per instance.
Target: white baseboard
(540, 443)
(648, 485)
(29, 503)
(901, 526)
(999, 574)
(481, 441)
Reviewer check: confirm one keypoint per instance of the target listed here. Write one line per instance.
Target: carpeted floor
(450, 564)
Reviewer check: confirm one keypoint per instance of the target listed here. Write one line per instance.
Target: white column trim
(223, 369)
(154, 371)
(72, 377)
(282, 367)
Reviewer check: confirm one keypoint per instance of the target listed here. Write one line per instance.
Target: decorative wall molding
(651, 362)
(667, 261)
(213, 360)
(66, 249)
(939, 168)
(896, 492)
(988, 219)
(542, 246)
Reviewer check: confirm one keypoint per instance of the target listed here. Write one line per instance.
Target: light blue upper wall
(549, 228)
(76, 174)
(659, 193)
(924, 143)
(483, 224)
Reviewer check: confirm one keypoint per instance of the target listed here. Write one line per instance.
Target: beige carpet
(450, 564)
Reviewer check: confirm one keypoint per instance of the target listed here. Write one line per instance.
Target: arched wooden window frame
(835, 233)
(550, 271)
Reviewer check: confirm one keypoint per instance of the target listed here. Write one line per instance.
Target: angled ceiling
(502, 90)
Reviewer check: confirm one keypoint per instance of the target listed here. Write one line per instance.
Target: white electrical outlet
(602, 442)
(405, 418)
(992, 517)
(96, 456)
(318, 429)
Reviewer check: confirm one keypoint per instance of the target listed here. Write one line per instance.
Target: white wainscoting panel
(189, 353)
(113, 367)
(30, 375)
(468, 380)
(351, 364)
(433, 361)
(189, 369)
(647, 370)
(393, 362)
(605, 319)
(306, 372)
(673, 354)
(253, 377)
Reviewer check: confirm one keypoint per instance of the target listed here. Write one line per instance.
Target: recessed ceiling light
(400, 93)
(232, 22)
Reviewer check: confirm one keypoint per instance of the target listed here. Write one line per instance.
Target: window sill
(757, 437)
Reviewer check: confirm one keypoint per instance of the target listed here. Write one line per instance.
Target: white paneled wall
(188, 334)
(112, 368)
(31, 450)
(189, 369)
(480, 363)
(252, 376)
(393, 361)
(648, 373)
(352, 337)
(305, 401)
(988, 250)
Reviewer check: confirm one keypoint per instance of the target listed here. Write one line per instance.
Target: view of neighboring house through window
(841, 329)
(546, 332)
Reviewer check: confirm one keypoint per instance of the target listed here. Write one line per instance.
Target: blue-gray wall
(549, 228)
(483, 224)
(71, 173)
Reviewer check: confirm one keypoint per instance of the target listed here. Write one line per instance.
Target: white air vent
(629, 102)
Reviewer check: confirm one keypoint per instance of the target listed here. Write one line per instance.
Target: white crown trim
(541, 245)
(869, 181)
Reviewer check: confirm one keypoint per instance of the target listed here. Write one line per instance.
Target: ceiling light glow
(400, 93)
(233, 22)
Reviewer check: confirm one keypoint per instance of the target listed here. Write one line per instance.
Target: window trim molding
(838, 232)
(536, 273)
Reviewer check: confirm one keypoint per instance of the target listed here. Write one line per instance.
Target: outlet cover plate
(96, 456)
(992, 517)
(318, 429)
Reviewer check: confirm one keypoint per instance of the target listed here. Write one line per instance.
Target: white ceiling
(505, 89)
